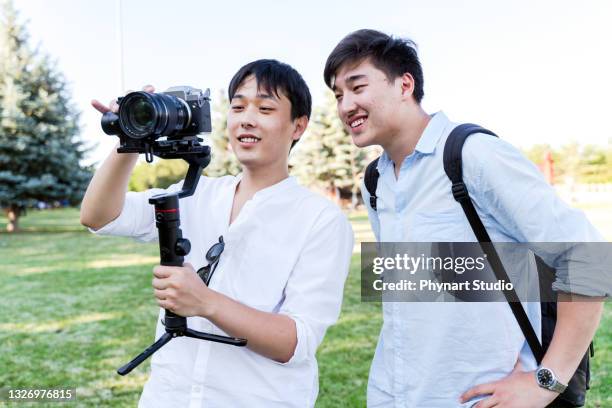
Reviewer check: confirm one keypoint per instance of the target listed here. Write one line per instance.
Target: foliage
(327, 157)
(39, 149)
(160, 174)
(577, 163)
(223, 161)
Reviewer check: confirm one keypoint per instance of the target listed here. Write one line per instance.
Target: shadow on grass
(42, 230)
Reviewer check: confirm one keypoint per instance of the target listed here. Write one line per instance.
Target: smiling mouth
(358, 122)
(248, 139)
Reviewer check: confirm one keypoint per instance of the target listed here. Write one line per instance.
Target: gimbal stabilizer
(172, 246)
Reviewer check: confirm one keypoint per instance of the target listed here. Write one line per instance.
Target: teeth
(249, 139)
(357, 122)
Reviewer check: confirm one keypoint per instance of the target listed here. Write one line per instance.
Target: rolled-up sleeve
(313, 294)
(137, 218)
(506, 185)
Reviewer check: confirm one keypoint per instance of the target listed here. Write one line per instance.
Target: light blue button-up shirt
(428, 354)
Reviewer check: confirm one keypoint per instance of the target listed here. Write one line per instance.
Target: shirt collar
(427, 142)
(270, 190)
(432, 133)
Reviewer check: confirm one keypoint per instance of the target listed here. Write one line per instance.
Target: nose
(248, 118)
(347, 106)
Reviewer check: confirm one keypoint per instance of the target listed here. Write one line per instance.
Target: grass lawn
(75, 307)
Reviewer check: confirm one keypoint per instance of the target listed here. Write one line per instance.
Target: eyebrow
(351, 79)
(259, 95)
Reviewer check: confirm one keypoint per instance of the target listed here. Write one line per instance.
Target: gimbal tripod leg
(234, 341)
(145, 354)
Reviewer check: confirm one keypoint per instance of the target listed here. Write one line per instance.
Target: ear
(299, 126)
(407, 85)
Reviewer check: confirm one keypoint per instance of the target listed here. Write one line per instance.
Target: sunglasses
(212, 256)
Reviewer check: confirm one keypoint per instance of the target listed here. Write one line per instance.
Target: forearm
(576, 325)
(269, 334)
(105, 195)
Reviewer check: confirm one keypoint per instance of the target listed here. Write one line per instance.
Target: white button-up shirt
(287, 252)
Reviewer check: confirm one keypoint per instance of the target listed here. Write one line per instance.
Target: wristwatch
(547, 379)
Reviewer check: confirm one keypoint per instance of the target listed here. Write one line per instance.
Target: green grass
(74, 307)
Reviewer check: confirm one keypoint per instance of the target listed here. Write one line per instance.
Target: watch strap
(558, 387)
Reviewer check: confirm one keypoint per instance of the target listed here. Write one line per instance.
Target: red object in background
(547, 167)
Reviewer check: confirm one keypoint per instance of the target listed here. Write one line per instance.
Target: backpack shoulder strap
(371, 181)
(453, 167)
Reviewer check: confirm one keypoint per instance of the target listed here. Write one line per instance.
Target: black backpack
(575, 393)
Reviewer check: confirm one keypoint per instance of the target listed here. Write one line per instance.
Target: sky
(531, 71)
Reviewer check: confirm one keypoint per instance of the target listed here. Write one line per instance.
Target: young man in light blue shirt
(451, 354)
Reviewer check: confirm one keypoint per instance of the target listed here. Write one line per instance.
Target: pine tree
(223, 161)
(327, 158)
(39, 150)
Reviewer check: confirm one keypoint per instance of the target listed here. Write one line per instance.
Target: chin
(251, 160)
(362, 140)
(246, 161)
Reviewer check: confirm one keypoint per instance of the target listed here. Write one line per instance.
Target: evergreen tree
(39, 150)
(327, 158)
(223, 161)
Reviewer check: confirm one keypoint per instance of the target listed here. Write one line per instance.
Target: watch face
(545, 377)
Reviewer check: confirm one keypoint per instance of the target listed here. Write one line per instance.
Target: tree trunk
(354, 200)
(356, 181)
(13, 213)
(333, 193)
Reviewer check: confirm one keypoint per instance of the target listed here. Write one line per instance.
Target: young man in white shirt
(453, 354)
(279, 280)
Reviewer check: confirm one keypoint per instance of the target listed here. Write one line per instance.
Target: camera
(179, 114)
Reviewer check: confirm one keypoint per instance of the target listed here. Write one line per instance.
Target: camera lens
(141, 115)
(145, 115)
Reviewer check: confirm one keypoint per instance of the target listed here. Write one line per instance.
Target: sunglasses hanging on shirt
(212, 256)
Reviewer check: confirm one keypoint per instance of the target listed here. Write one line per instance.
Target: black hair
(393, 56)
(274, 76)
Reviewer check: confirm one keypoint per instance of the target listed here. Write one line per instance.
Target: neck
(403, 143)
(255, 179)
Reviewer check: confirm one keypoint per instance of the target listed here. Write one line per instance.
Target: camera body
(199, 106)
(179, 114)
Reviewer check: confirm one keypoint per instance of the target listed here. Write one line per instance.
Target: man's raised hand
(113, 106)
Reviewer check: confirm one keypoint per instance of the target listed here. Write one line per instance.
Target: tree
(577, 163)
(596, 164)
(327, 157)
(223, 161)
(161, 174)
(39, 150)
(537, 152)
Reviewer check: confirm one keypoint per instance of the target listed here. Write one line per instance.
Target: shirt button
(196, 389)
